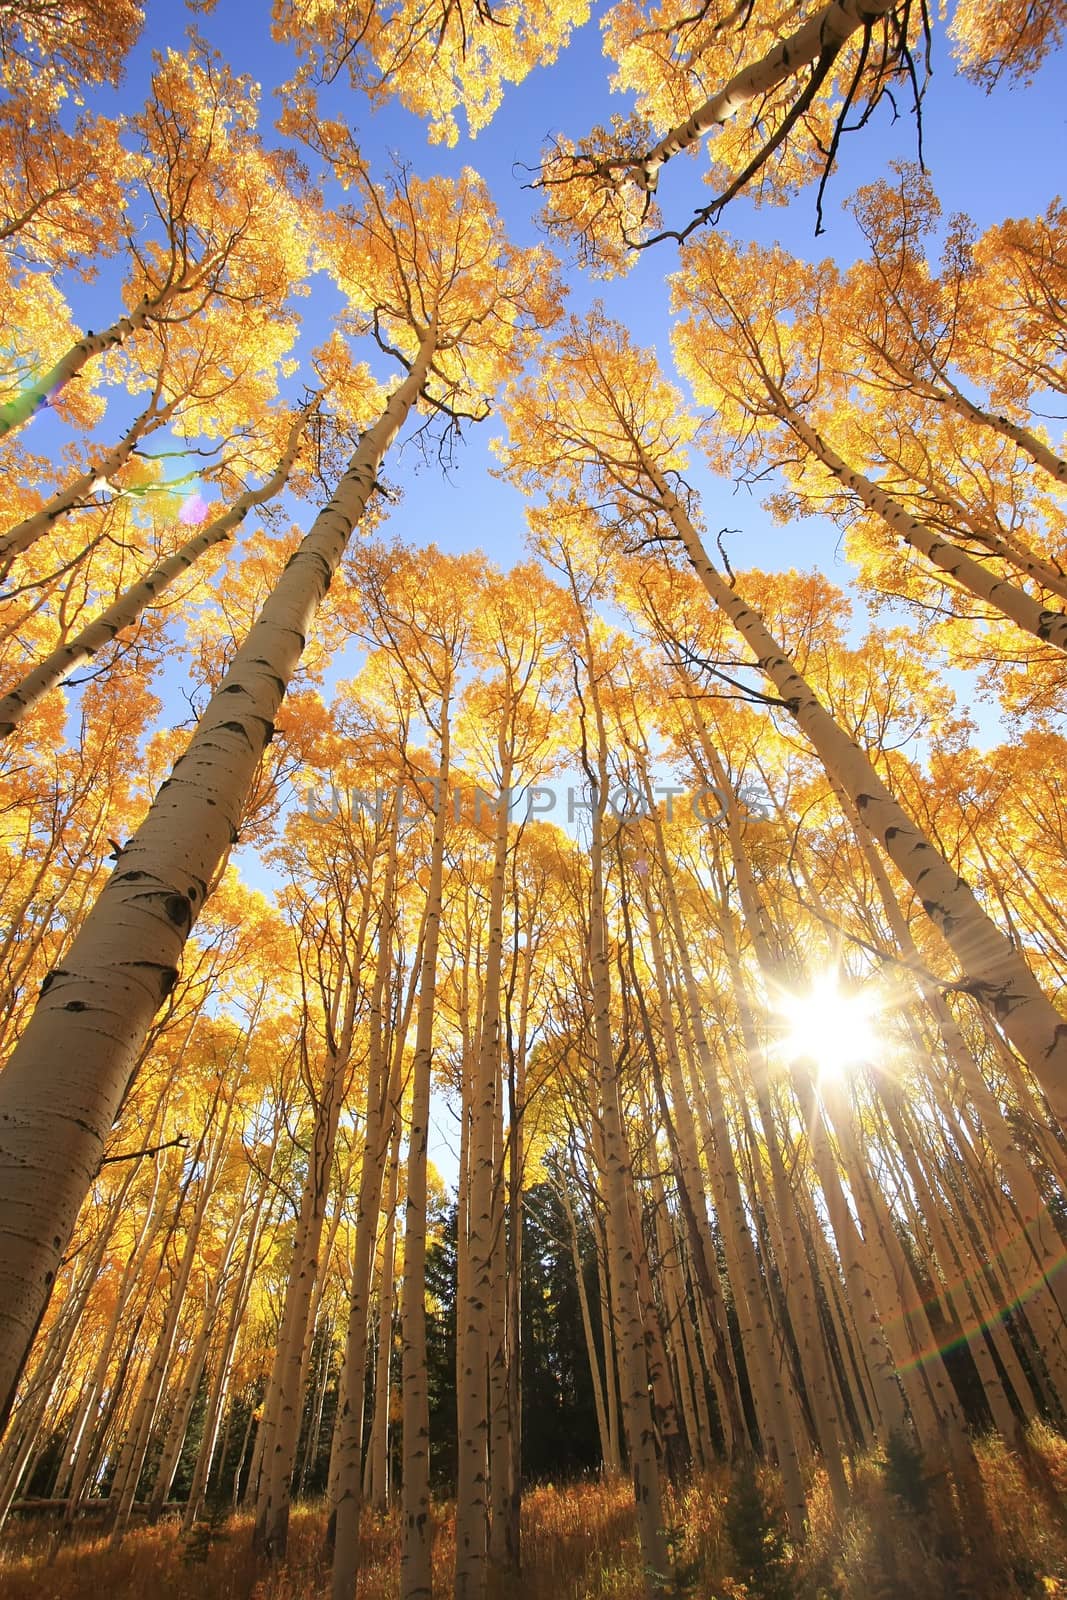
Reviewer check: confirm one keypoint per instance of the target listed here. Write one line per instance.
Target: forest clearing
(533, 955)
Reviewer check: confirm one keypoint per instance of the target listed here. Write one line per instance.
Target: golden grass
(1002, 1536)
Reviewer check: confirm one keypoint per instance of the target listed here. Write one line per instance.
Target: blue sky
(992, 156)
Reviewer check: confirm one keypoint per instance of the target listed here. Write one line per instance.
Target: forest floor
(911, 1537)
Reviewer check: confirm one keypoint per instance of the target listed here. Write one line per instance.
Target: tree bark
(66, 1079)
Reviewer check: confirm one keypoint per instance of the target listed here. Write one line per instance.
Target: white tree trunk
(123, 612)
(997, 974)
(65, 1081)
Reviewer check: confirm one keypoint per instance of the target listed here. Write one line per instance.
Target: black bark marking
(178, 911)
(235, 727)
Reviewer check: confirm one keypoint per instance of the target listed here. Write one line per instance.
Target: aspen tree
(210, 1157)
(637, 1412)
(378, 1489)
(26, 533)
(416, 1572)
(767, 1380)
(27, 1423)
(731, 350)
(902, 319)
(599, 190)
(641, 447)
(227, 228)
(226, 1355)
(415, 615)
(185, 1393)
(332, 901)
(380, 1114)
(681, 1132)
(606, 1444)
(282, 1403)
(123, 612)
(513, 640)
(125, 957)
(151, 902)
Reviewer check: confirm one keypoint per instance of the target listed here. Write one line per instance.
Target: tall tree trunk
(135, 1444)
(1047, 625)
(484, 1243)
(637, 1411)
(818, 40)
(185, 1397)
(29, 400)
(416, 1575)
(607, 1451)
(282, 1406)
(217, 1391)
(378, 1455)
(31, 528)
(81, 1044)
(383, 1081)
(123, 612)
(997, 974)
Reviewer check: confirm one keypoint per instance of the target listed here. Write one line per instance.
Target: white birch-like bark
(416, 1573)
(472, 1395)
(633, 1369)
(681, 1133)
(1046, 624)
(378, 1453)
(767, 1380)
(24, 1433)
(285, 1391)
(123, 612)
(182, 1404)
(29, 400)
(606, 1447)
(996, 972)
(138, 1434)
(1037, 1227)
(99, 473)
(227, 1353)
(668, 1277)
(946, 393)
(383, 1076)
(613, 1461)
(64, 1083)
(818, 39)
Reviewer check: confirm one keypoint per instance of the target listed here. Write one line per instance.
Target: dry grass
(1002, 1536)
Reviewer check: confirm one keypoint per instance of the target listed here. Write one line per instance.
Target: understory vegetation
(907, 1533)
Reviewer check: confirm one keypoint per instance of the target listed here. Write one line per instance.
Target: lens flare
(829, 1026)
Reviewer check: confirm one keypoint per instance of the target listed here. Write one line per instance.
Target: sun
(832, 1027)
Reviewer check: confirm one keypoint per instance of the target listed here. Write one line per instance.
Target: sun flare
(830, 1026)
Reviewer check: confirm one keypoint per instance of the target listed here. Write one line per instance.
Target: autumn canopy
(531, 778)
